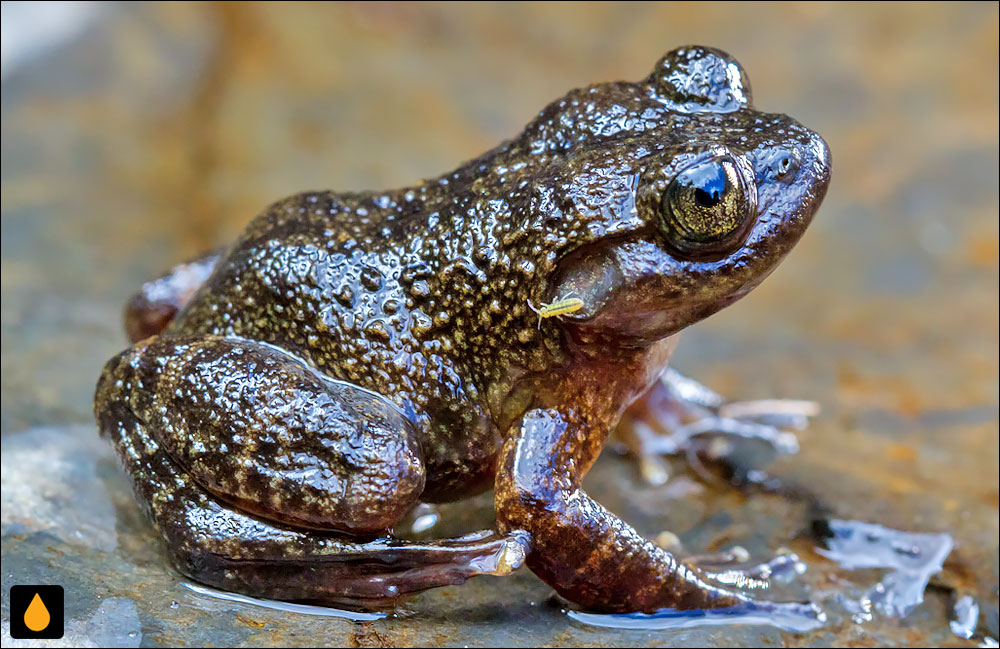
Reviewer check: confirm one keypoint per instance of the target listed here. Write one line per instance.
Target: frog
(289, 398)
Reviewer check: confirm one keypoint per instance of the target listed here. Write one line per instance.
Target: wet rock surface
(156, 132)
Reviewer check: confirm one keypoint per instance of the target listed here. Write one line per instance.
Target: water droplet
(424, 523)
(36, 617)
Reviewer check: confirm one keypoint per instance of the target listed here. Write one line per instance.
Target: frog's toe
(682, 439)
(508, 558)
(733, 568)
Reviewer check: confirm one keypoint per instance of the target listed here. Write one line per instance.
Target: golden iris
(706, 208)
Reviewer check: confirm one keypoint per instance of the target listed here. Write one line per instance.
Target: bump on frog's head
(697, 78)
(721, 193)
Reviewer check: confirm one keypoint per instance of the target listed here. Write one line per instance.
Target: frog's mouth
(636, 289)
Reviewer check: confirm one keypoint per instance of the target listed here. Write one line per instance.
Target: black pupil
(712, 186)
(706, 199)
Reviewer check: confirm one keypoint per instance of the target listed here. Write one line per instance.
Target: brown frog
(291, 397)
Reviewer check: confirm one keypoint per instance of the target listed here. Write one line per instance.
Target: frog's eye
(706, 209)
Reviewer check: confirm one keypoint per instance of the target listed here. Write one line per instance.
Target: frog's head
(698, 198)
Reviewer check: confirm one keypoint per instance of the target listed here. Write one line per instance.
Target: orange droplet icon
(36, 617)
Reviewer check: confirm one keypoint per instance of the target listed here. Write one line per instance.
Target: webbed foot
(681, 416)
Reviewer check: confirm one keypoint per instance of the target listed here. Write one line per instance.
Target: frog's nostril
(779, 164)
(785, 165)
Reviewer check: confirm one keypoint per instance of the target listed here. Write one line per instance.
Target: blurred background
(138, 135)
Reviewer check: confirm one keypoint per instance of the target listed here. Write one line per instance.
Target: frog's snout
(814, 174)
(792, 179)
(812, 157)
(821, 160)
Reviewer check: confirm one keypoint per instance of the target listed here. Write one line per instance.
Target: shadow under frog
(290, 397)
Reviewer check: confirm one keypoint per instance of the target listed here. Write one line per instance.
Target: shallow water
(798, 618)
(288, 607)
(911, 559)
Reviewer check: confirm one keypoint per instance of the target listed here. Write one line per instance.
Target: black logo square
(36, 612)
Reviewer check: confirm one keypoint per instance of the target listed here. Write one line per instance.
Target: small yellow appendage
(559, 307)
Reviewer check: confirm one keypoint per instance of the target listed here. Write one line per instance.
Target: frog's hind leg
(187, 416)
(681, 416)
(149, 311)
(218, 546)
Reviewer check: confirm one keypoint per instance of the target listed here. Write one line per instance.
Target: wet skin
(289, 398)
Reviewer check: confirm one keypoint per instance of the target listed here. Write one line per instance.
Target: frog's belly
(460, 456)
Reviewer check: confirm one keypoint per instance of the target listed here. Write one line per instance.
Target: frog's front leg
(585, 552)
(236, 449)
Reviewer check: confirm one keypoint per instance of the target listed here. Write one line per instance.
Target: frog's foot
(149, 311)
(681, 416)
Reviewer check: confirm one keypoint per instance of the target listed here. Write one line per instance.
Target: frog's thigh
(258, 429)
(225, 548)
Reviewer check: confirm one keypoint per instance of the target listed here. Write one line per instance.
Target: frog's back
(316, 274)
